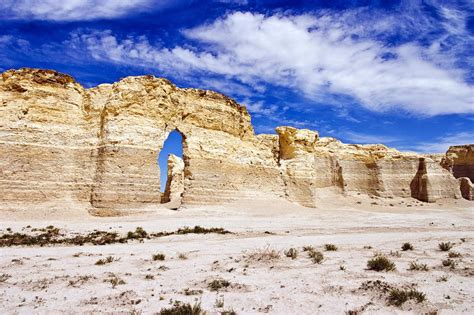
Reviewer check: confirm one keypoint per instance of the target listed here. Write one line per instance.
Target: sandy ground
(65, 279)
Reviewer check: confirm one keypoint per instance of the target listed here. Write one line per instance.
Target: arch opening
(171, 165)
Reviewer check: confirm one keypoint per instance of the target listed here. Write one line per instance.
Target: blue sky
(399, 73)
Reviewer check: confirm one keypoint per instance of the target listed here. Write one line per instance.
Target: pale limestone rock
(175, 182)
(60, 142)
(460, 160)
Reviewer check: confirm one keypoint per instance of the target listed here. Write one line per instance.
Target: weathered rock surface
(460, 160)
(175, 180)
(62, 142)
(467, 188)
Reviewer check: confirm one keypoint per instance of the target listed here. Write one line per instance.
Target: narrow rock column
(175, 182)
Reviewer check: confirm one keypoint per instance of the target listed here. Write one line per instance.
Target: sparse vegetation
(219, 303)
(330, 247)
(180, 308)
(442, 279)
(228, 312)
(341, 267)
(4, 277)
(159, 256)
(316, 257)
(398, 296)
(106, 260)
(308, 248)
(188, 291)
(407, 246)
(417, 266)
(445, 246)
(395, 253)
(381, 263)
(182, 256)
(149, 277)
(216, 285)
(291, 253)
(52, 236)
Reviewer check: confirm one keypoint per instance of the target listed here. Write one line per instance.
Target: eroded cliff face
(62, 142)
(175, 181)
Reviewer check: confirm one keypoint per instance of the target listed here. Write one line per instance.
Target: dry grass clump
(180, 308)
(106, 260)
(445, 246)
(4, 277)
(139, 233)
(381, 263)
(182, 256)
(398, 296)
(114, 280)
(316, 257)
(452, 254)
(449, 263)
(291, 253)
(265, 254)
(443, 278)
(308, 248)
(330, 247)
(229, 312)
(416, 266)
(407, 246)
(158, 256)
(216, 285)
(189, 291)
(201, 230)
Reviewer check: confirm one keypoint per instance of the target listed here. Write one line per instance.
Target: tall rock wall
(62, 142)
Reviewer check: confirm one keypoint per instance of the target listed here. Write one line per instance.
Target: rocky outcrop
(467, 188)
(60, 142)
(460, 161)
(175, 181)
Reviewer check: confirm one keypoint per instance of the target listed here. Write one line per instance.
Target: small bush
(308, 248)
(104, 261)
(139, 233)
(330, 247)
(291, 253)
(397, 296)
(179, 308)
(452, 254)
(188, 291)
(160, 257)
(216, 285)
(416, 266)
(442, 279)
(4, 277)
(266, 254)
(381, 263)
(445, 246)
(114, 280)
(342, 268)
(449, 263)
(149, 277)
(407, 246)
(182, 256)
(219, 303)
(228, 312)
(316, 257)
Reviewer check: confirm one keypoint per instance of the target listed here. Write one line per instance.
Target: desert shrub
(445, 246)
(452, 254)
(216, 285)
(316, 257)
(188, 291)
(266, 254)
(330, 247)
(149, 277)
(4, 277)
(397, 296)
(308, 248)
(342, 268)
(443, 278)
(449, 263)
(106, 260)
(381, 263)
(139, 233)
(291, 253)
(159, 256)
(201, 230)
(180, 308)
(407, 246)
(182, 256)
(114, 280)
(228, 312)
(219, 303)
(416, 266)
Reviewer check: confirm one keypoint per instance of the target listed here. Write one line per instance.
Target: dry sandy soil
(66, 280)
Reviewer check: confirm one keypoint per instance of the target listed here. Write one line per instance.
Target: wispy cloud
(441, 144)
(355, 137)
(73, 10)
(319, 55)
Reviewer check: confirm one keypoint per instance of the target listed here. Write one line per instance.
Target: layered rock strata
(62, 142)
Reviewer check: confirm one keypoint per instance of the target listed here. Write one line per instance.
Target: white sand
(39, 281)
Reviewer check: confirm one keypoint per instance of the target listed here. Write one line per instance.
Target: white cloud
(441, 144)
(317, 55)
(73, 10)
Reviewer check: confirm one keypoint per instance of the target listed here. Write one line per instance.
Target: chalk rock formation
(60, 142)
(467, 188)
(460, 160)
(175, 181)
